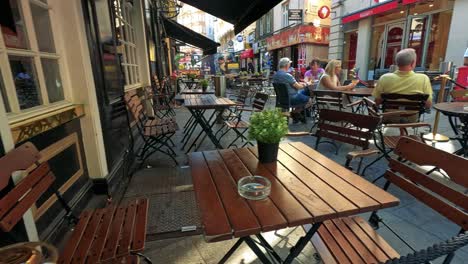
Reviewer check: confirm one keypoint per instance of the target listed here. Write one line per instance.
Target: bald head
(406, 57)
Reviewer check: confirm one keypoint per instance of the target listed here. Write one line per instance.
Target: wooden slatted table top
(205, 101)
(307, 187)
(197, 91)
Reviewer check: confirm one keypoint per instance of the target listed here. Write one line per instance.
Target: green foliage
(204, 83)
(268, 126)
(191, 76)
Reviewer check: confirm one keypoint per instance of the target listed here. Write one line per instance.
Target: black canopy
(241, 13)
(177, 31)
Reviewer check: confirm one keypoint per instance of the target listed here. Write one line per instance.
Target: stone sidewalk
(419, 225)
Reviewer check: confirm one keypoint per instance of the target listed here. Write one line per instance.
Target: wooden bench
(353, 240)
(101, 235)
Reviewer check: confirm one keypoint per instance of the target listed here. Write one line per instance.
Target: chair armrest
(409, 125)
(358, 102)
(434, 252)
(249, 110)
(362, 153)
(297, 134)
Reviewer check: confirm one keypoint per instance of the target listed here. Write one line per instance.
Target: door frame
(388, 27)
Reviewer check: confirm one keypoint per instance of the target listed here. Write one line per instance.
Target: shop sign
(230, 49)
(324, 12)
(295, 14)
(230, 43)
(370, 12)
(240, 38)
(407, 2)
(297, 35)
(251, 37)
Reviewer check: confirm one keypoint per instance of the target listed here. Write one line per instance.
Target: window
(268, 22)
(260, 25)
(284, 14)
(124, 13)
(31, 74)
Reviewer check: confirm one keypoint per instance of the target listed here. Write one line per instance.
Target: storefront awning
(177, 31)
(373, 10)
(241, 13)
(247, 54)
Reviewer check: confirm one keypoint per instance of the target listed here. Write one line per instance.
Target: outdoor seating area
(238, 132)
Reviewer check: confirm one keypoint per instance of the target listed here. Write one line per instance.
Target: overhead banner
(298, 35)
(407, 2)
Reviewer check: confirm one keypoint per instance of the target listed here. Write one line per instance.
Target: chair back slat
(354, 129)
(242, 96)
(260, 101)
(20, 158)
(441, 195)
(17, 201)
(325, 99)
(414, 102)
(455, 166)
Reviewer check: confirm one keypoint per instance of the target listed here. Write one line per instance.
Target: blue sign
(240, 38)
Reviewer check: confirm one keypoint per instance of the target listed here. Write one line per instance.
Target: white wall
(458, 36)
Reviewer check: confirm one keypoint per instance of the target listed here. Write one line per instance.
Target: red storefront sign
(298, 35)
(371, 11)
(247, 54)
(407, 2)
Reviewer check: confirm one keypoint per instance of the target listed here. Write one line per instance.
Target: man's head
(406, 59)
(314, 64)
(284, 64)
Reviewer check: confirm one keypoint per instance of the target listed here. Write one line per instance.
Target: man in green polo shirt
(404, 80)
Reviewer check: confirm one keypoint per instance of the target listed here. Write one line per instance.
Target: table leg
(268, 247)
(206, 127)
(211, 124)
(252, 245)
(190, 130)
(301, 243)
(231, 251)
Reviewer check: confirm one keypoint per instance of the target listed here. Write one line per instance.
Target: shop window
(350, 49)
(125, 28)
(377, 42)
(438, 36)
(29, 53)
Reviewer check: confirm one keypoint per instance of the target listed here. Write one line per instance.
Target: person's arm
(428, 90)
(376, 93)
(328, 83)
(300, 85)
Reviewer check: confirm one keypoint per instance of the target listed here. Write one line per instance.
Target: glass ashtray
(254, 187)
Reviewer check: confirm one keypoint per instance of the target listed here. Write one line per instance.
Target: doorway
(393, 42)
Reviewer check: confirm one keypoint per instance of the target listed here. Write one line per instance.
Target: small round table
(453, 111)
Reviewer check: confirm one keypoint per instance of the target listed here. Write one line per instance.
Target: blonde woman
(330, 79)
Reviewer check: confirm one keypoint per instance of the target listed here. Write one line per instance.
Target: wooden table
(198, 104)
(454, 111)
(307, 188)
(359, 92)
(197, 91)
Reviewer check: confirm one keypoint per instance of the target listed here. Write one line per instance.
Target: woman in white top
(330, 79)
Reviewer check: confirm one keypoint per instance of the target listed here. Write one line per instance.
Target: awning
(407, 2)
(241, 13)
(373, 10)
(177, 31)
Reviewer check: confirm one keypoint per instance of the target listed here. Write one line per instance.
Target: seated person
(295, 89)
(330, 80)
(315, 71)
(404, 80)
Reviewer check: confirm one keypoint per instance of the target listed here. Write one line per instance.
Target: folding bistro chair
(353, 240)
(156, 132)
(398, 113)
(283, 101)
(238, 124)
(359, 130)
(234, 112)
(159, 103)
(103, 235)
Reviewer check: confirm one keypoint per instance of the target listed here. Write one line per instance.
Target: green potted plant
(204, 84)
(268, 127)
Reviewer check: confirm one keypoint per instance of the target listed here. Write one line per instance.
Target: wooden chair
(160, 103)
(240, 126)
(350, 128)
(387, 143)
(156, 132)
(413, 104)
(100, 235)
(353, 240)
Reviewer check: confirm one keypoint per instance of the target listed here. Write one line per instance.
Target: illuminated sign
(324, 12)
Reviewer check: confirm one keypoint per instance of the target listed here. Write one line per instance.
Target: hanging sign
(324, 12)
(295, 14)
(240, 38)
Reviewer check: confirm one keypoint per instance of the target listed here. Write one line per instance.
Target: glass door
(393, 43)
(417, 37)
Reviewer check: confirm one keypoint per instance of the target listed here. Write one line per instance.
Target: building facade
(294, 29)
(64, 68)
(435, 29)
